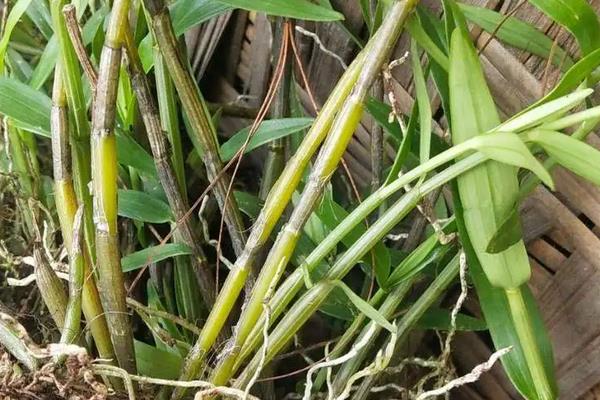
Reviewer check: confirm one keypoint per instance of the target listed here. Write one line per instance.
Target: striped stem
(275, 204)
(329, 157)
(159, 145)
(66, 206)
(414, 313)
(104, 178)
(275, 160)
(203, 131)
(76, 277)
(307, 304)
(80, 134)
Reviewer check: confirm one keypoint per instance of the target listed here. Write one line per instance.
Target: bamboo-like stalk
(186, 281)
(167, 107)
(72, 326)
(18, 160)
(203, 131)
(80, 134)
(104, 179)
(376, 148)
(329, 157)
(314, 297)
(275, 204)
(74, 32)
(158, 144)
(295, 282)
(387, 309)
(66, 207)
(276, 151)
(414, 313)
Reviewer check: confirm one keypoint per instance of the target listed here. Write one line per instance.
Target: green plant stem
(387, 310)
(105, 172)
(195, 108)
(80, 134)
(376, 141)
(308, 303)
(66, 206)
(276, 202)
(281, 109)
(528, 343)
(158, 144)
(72, 326)
(295, 282)
(20, 168)
(167, 106)
(189, 297)
(326, 164)
(415, 312)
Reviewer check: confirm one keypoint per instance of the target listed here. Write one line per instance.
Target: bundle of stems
(185, 233)
(79, 135)
(104, 178)
(203, 131)
(66, 207)
(357, 80)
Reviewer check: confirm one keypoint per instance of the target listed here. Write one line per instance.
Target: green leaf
(423, 105)
(45, 65)
(487, 191)
(29, 108)
(269, 130)
(575, 155)
(298, 9)
(541, 112)
(143, 207)
(517, 33)
(131, 154)
(330, 213)
(509, 233)
(578, 17)
(156, 363)
(572, 119)
(19, 66)
(186, 14)
(415, 28)
(248, 203)
(365, 307)
(13, 18)
(508, 148)
(440, 320)
(426, 253)
(39, 13)
(153, 254)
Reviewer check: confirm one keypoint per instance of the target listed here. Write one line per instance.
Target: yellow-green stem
(104, 178)
(329, 157)
(524, 328)
(66, 206)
